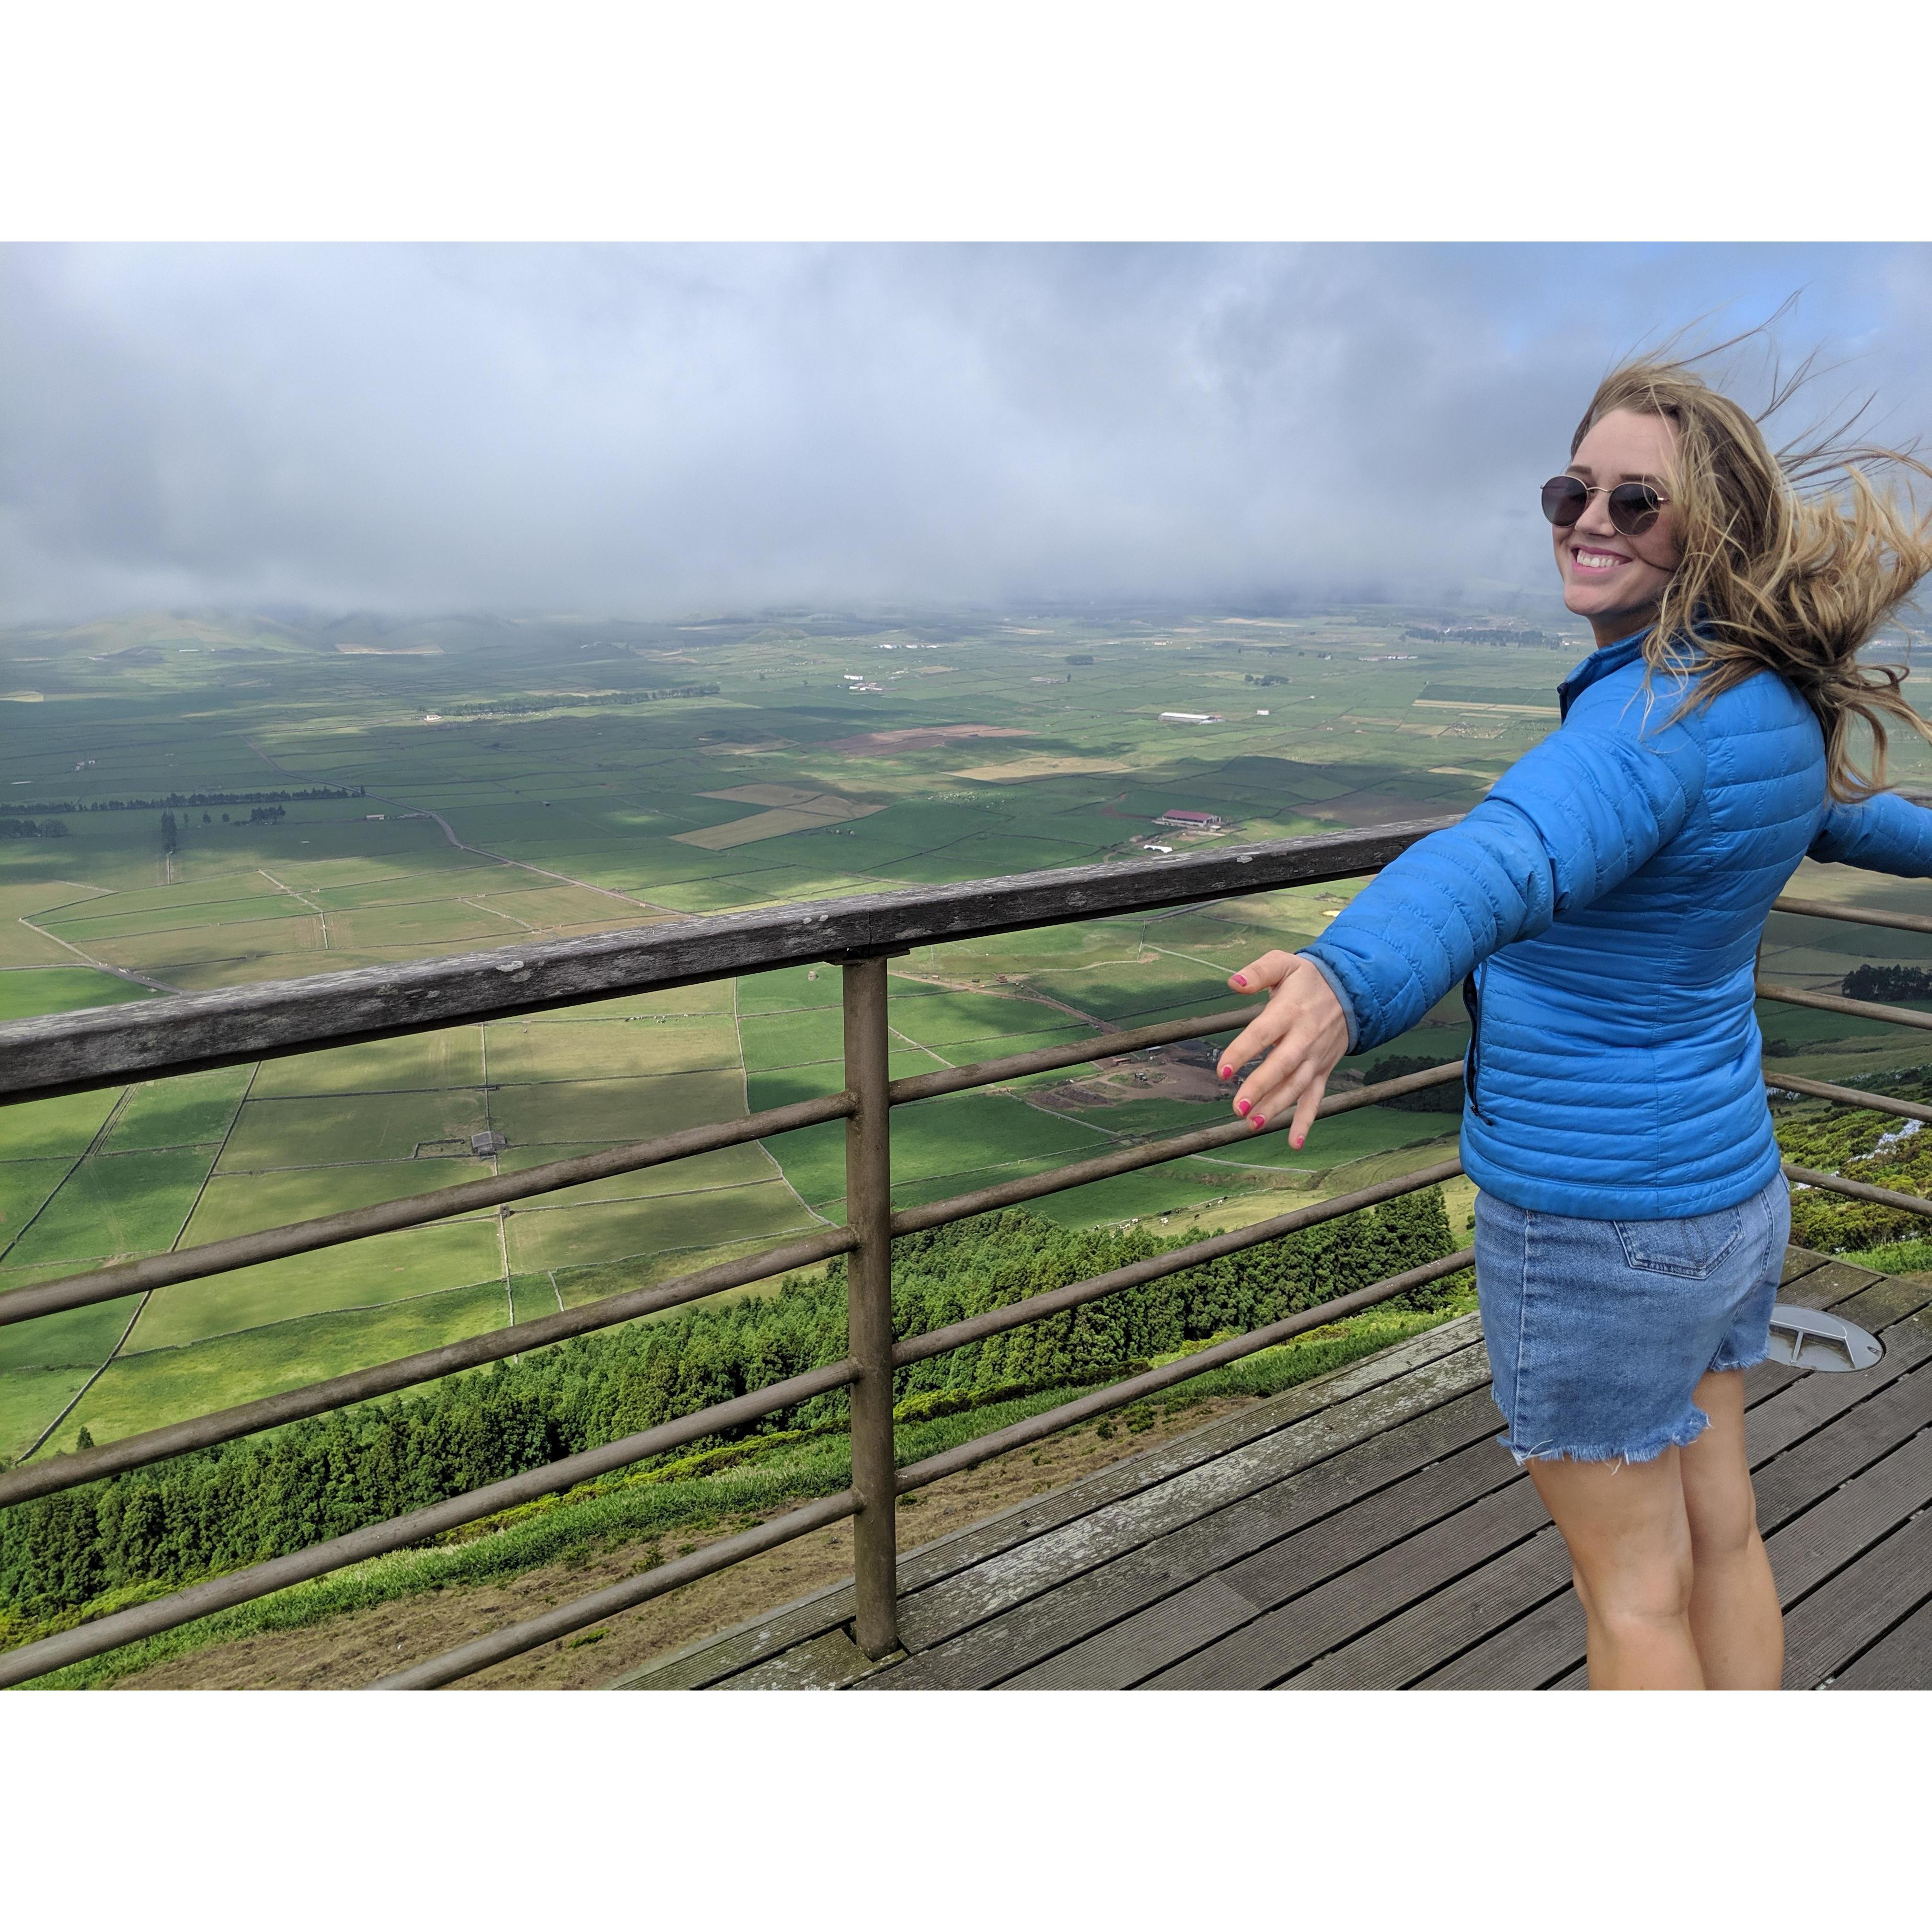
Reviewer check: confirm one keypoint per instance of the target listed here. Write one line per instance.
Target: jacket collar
(1600, 662)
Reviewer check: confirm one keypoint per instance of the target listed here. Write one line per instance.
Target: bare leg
(1735, 1618)
(1629, 1537)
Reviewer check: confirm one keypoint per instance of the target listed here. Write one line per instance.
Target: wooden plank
(1039, 1629)
(1792, 1482)
(829, 1662)
(1118, 1658)
(713, 1658)
(1162, 1634)
(1043, 1562)
(1409, 1646)
(1838, 1620)
(1525, 1655)
(1309, 1626)
(1456, 1344)
(1798, 1262)
(185, 1032)
(1902, 1661)
(1826, 1538)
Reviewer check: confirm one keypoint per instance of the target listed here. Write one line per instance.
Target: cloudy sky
(646, 429)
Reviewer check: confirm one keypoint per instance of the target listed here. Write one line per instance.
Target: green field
(985, 751)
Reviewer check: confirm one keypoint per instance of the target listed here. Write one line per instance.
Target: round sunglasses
(1633, 507)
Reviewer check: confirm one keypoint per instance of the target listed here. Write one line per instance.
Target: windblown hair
(1783, 567)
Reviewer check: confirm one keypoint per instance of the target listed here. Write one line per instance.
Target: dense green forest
(221, 1508)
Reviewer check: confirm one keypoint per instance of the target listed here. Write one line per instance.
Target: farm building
(1191, 821)
(1190, 717)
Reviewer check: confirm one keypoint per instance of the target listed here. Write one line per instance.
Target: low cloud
(651, 429)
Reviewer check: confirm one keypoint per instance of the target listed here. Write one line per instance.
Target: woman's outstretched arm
(1883, 833)
(1568, 822)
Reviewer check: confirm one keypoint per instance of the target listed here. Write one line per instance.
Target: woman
(1605, 902)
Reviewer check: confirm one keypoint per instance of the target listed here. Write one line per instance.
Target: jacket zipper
(1472, 1004)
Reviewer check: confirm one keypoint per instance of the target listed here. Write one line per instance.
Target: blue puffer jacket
(1610, 895)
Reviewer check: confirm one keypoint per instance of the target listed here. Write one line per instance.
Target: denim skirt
(1599, 1331)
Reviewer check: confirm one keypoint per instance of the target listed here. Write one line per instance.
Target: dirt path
(362, 1646)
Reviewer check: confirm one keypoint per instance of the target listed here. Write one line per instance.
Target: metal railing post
(868, 1213)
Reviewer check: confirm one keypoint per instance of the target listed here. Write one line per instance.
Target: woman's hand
(1303, 1034)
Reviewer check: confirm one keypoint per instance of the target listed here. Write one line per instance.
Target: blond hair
(1779, 570)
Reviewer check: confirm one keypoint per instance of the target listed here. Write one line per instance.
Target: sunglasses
(1633, 507)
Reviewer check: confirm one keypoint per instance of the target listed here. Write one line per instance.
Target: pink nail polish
(1257, 1120)
(1242, 1106)
(1241, 980)
(1296, 1143)
(1227, 1073)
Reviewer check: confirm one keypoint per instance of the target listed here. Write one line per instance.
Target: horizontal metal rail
(379, 1539)
(68, 1471)
(1117, 1395)
(1849, 1096)
(1901, 921)
(1075, 1053)
(1858, 1190)
(1128, 1160)
(414, 1210)
(499, 1645)
(1076, 1294)
(1832, 1003)
(185, 1033)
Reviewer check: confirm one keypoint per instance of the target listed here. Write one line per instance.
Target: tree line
(1887, 982)
(32, 828)
(176, 799)
(239, 1503)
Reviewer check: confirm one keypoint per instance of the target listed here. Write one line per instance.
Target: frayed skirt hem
(1645, 1449)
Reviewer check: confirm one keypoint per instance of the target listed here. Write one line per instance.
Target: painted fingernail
(1257, 1120)
(1242, 1106)
(1296, 1141)
(1241, 979)
(1227, 1073)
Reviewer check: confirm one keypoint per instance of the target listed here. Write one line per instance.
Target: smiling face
(1617, 581)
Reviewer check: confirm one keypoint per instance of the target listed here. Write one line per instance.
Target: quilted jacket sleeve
(1566, 824)
(1884, 833)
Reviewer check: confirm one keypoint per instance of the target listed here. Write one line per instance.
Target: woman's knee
(1724, 1528)
(1640, 1591)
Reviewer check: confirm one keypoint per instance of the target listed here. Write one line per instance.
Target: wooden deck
(1366, 1531)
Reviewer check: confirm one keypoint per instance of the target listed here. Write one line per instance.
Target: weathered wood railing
(105, 1047)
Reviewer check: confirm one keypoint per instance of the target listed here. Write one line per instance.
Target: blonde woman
(1603, 908)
